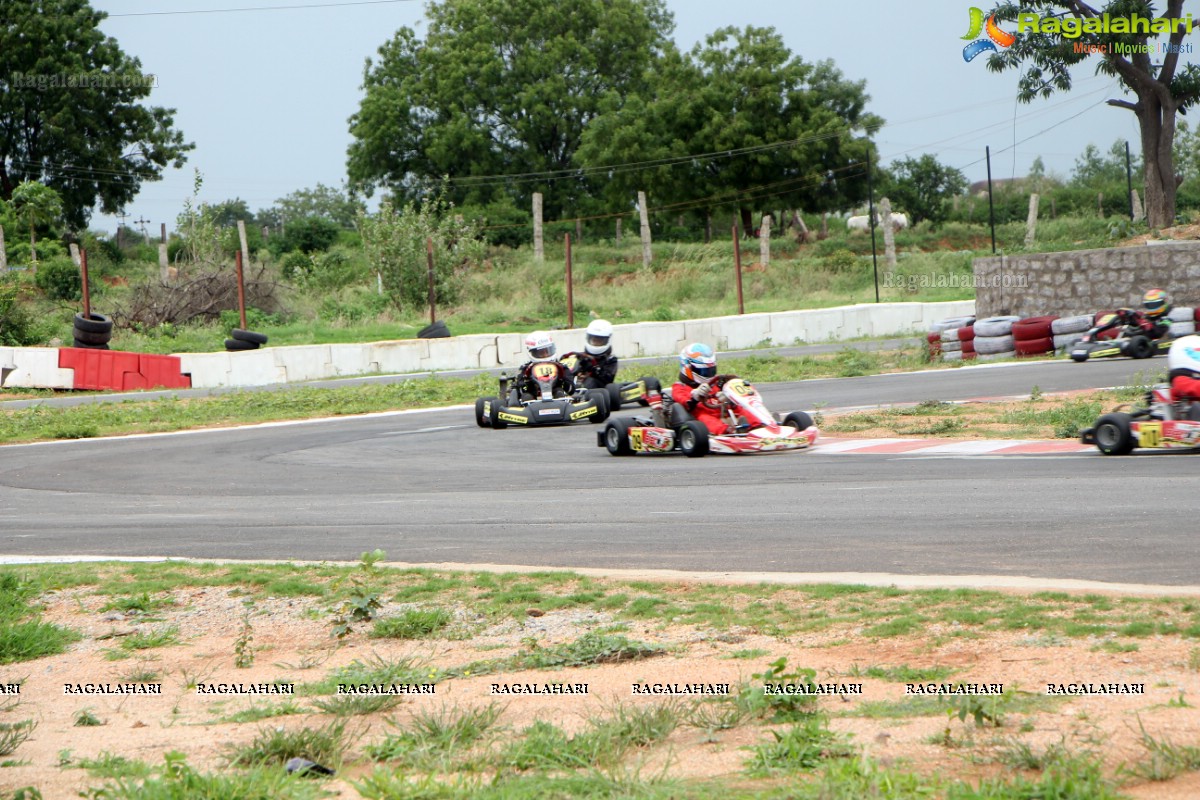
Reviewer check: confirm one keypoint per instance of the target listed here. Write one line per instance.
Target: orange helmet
(697, 363)
(1156, 303)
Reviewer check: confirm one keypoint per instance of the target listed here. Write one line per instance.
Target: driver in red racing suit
(697, 368)
(1151, 320)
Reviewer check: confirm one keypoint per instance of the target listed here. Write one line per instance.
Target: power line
(260, 8)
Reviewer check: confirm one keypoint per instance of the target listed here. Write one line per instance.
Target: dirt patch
(288, 640)
(1180, 232)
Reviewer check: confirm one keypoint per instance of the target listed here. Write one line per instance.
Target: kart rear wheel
(482, 419)
(1113, 436)
(616, 437)
(1139, 347)
(600, 398)
(693, 439)
(614, 397)
(495, 417)
(798, 420)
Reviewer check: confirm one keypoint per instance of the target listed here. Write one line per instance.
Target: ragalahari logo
(995, 36)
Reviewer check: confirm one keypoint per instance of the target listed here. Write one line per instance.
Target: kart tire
(693, 439)
(95, 323)
(614, 396)
(952, 322)
(90, 338)
(1079, 358)
(966, 334)
(1033, 328)
(600, 398)
(994, 345)
(1182, 329)
(435, 330)
(495, 416)
(481, 419)
(1113, 436)
(1139, 347)
(88, 346)
(248, 336)
(798, 420)
(1182, 314)
(652, 386)
(616, 437)
(234, 345)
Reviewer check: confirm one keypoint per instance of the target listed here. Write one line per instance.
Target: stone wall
(1085, 281)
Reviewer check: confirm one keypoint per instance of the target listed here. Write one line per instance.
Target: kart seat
(678, 415)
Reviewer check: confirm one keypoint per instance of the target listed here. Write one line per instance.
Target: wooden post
(644, 213)
(241, 225)
(164, 264)
(241, 291)
(1139, 213)
(737, 267)
(539, 250)
(432, 297)
(3, 252)
(74, 251)
(617, 241)
(162, 233)
(1053, 210)
(87, 297)
(1031, 220)
(764, 241)
(889, 231)
(570, 283)
(578, 229)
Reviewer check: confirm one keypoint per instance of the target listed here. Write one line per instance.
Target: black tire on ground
(90, 337)
(693, 439)
(495, 420)
(436, 330)
(614, 396)
(1139, 347)
(1113, 436)
(96, 323)
(616, 437)
(88, 346)
(600, 398)
(1079, 357)
(798, 420)
(234, 345)
(481, 419)
(248, 336)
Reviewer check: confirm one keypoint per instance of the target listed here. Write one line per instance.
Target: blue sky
(266, 94)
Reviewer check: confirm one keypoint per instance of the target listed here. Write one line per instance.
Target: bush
(18, 328)
(59, 279)
(501, 223)
(307, 235)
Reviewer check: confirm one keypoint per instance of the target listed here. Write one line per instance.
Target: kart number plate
(1150, 434)
(635, 439)
(548, 412)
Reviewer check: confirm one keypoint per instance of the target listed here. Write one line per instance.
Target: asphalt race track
(431, 487)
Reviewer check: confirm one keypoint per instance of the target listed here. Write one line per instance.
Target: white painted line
(823, 446)
(970, 448)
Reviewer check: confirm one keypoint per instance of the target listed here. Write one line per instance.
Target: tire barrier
(1034, 347)
(1033, 336)
(995, 345)
(92, 331)
(244, 340)
(1063, 341)
(1182, 314)
(933, 340)
(995, 326)
(954, 346)
(1183, 328)
(1076, 324)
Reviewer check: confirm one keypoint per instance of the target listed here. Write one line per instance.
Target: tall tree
(497, 87)
(1095, 170)
(923, 187)
(1070, 32)
(321, 201)
(35, 204)
(70, 110)
(739, 122)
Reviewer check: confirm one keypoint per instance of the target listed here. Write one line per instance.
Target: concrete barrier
(37, 367)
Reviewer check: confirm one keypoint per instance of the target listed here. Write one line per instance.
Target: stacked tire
(994, 338)
(1066, 331)
(943, 339)
(1034, 336)
(1183, 320)
(92, 331)
(958, 343)
(244, 340)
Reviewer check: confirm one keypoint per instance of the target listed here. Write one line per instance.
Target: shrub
(307, 234)
(59, 279)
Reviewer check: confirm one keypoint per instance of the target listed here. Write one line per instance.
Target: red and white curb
(923, 447)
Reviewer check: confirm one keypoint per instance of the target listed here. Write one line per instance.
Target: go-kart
(671, 429)
(1165, 424)
(549, 406)
(583, 365)
(1132, 342)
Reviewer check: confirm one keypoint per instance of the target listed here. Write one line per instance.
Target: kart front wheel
(693, 439)
(614, 396)
(482, 419)
(1139, 347)
(616, 437)
(798, 420)
(600, 398)
(495, 418)
(1113, 436)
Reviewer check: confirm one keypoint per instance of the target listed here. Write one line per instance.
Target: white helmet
(1184, 354)
(599, 334)
(540, 346)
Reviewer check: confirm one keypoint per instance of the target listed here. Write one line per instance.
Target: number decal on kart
(545, 370)
(740, 388)
(635, 439)
(1150, 434)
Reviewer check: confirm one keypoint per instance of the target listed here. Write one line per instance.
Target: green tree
(1161, 87)
(1096, 170)
(1187, 151)
(498, 87)
(35, 204)
(322, 201)
(70, 110)
(228, 213)
(394, 240)
(923, 187)
(738, 122)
